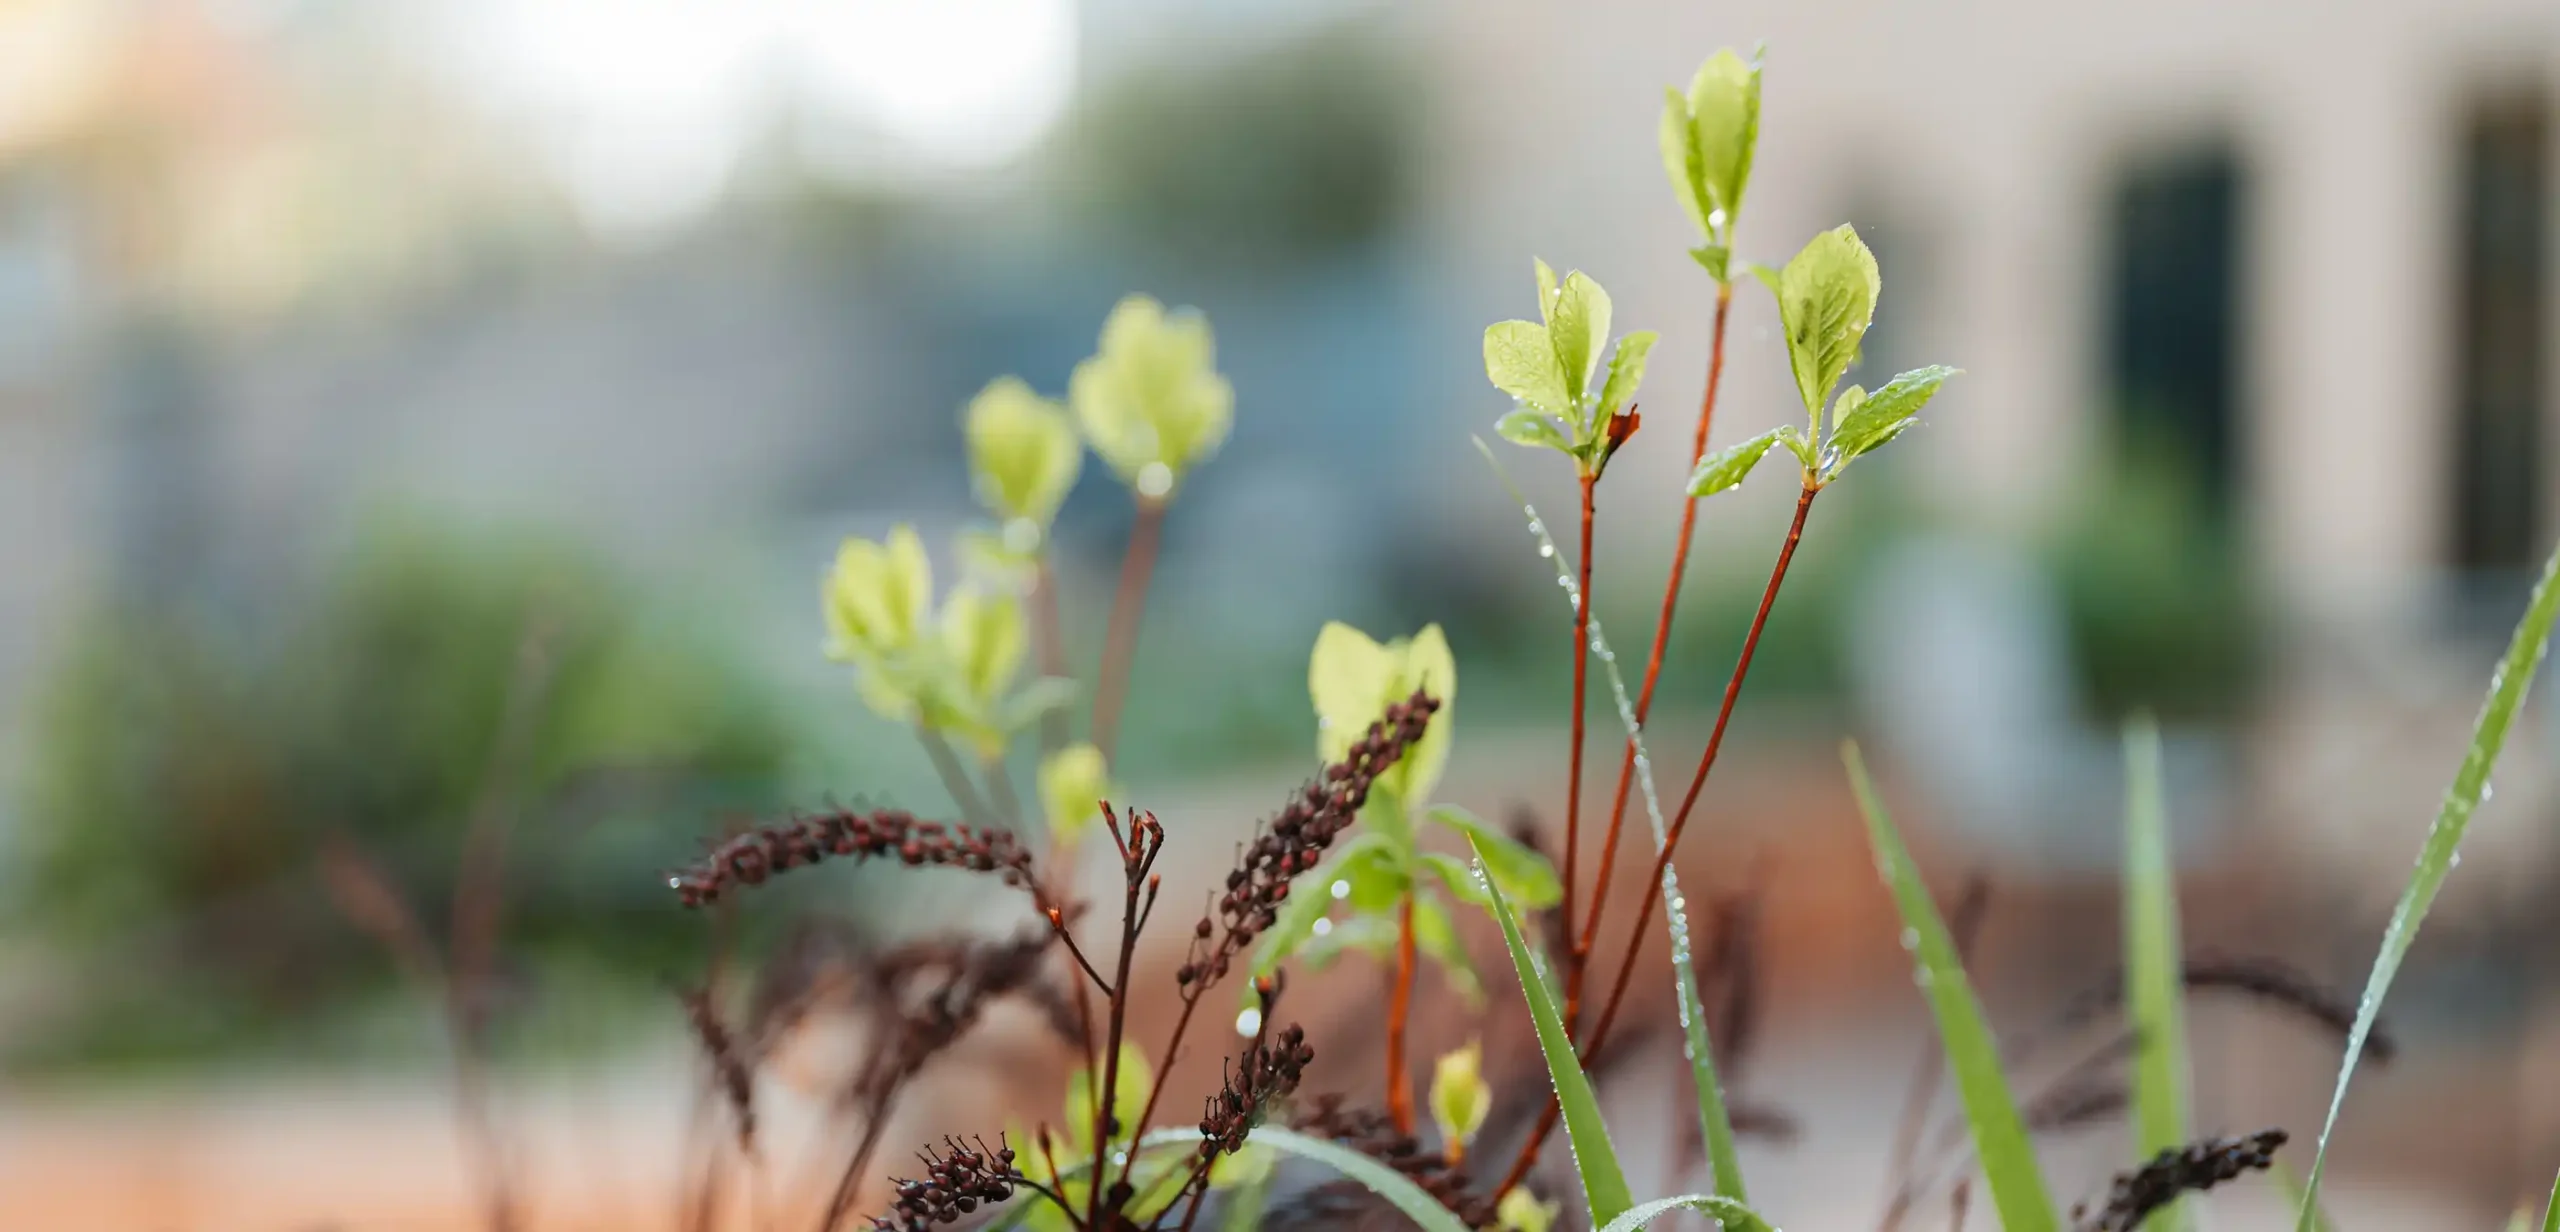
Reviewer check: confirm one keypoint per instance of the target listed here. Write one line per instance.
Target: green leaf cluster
(951, 668)
(1549, 364)
(1151, 400)
(1710, 135)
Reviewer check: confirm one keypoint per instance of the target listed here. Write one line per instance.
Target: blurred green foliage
(188, 768)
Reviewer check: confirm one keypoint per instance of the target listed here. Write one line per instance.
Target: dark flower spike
(752, 857)
(1372, 1132)
(729, 1064)
(1269, 1071)
(957, 1180)
(2193, 1168)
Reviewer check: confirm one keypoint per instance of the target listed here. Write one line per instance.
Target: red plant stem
(1671, 841)
(1573, 777)
(1164, 1061)
(1662, 622)
(1049, 642)
(1108, 1093)
(1120, 643)
(1399, 1014)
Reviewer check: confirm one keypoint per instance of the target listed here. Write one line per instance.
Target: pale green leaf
(1767, 276)
(1729, 466)
(1430, 667)
(2507, 687)
(1152, 396)
(1999, 1135)
(1399, 1191)
(1680, 160)
(1716, 259)
(1546, 290)
(1579, 330)
(1374, 935)
(1604, 1182)
(1038, 698)
(1023, 451)
(983, 638)
(1377, 878)
(1310, 898)
(1130, 1085)
(1525, 876)
(1733, 1215)
(1520, 362)
(1626, 371)
(1435, 935)
(1521, 1211)
(1826, 297)
(1724, 105)
(2154, 992)
(879, 596)
(1352, 680)
(1879, 417)
(1533, 428)
(1459, 877)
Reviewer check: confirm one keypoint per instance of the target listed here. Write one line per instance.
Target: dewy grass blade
(2286, 1179)
(2154, 993)
(2551, 1209)
(1377, 1178)
(1999, 1133)
(1733, 1215)
(1713, 1117)
(1604, 1183)
(2470, 785)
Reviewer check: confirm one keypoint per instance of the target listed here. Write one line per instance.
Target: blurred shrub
(2162, 611)
(188, 767)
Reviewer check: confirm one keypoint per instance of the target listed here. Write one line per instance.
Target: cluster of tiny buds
(750, 858)
(2194, 1167)
(955, 1183)
(1271, 1069)
(1295, 841)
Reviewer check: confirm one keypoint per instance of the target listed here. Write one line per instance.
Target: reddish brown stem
(1399, 1015)
(1049, 642)
(1573, 777)
(1661, 622)
(1120, 643)
(1671, 841)
(1106, 1095)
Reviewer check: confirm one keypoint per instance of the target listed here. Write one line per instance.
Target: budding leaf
(1681, 160)
(1716, 259)
(983, 638)
(879, 596)
(1826, 297)
(1882, 415)
(1521, 1211)
(1728, 466)
(1518, 871)
(1310, 898)
(1521, 362)
(1460, 1097)
(1073, 783)
(1626, 371)
(1152, 396)
(1546, 291)
(1724, 110)
(1535, 429)
(1129, 1090)
(1023, 451)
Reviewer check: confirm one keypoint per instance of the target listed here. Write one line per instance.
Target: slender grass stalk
(2507, 688)
(1604, 1182)
(1399, 1016)
(1407, 1197)
(1120, 639)
(1574, 949)
(2551, 1208)
(1999, 1133)
(955, 777)
(1662, 621)
(2154, 988)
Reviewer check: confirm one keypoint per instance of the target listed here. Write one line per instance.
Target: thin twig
(1399, 1015)
(1120, 642)
(1662, 621)
(1575, 953)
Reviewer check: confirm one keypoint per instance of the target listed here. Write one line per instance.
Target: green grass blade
(1604, 1183)
(1734, 1216)
(2507, 688)
(1714, 1120)
(2154, 986)
(1999, 1133)
(1407, 1197)
(2285, 1178)
(2551, 1209)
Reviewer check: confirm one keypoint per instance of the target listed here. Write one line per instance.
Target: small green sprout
(1151, 401)
(1549, 365)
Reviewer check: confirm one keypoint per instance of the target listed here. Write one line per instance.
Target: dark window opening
(2173, 313)
(2499, 328)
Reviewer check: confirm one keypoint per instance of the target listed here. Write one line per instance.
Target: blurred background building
(355, 353)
